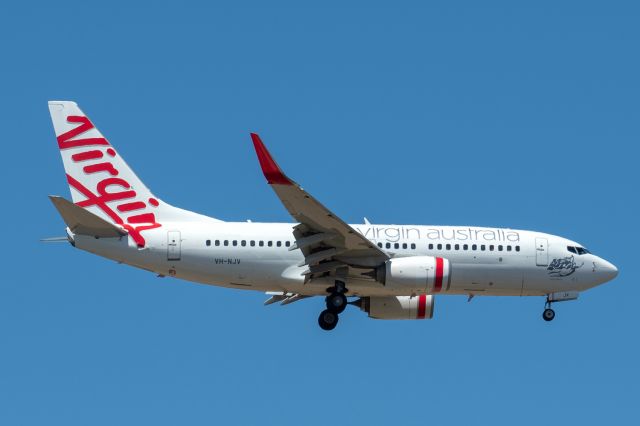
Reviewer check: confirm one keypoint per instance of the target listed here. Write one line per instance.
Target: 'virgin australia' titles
(396, 233)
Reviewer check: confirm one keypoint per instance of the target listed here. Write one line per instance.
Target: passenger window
(270, 243)
(380, 245)
(448, 246)
(396, 246)
(279, 243)
(465, 247)
(252, 243)
(404, 245)
(413, 246)
(508, 248)
(482, 247)
(439, 246)
(430, 246)
(388, 245)
(217, 243)
(457, 246)
(517, 248)
(474, 247)
(491, 247)
(261, 243)
(226, 243)
(243, 243)
(208, 243)
(235, 243)
(499, 248)
(287, 244)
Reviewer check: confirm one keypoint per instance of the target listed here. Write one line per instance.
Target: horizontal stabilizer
(55, 240)
(83, 222)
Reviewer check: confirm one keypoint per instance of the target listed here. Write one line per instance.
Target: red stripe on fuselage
(437, 285)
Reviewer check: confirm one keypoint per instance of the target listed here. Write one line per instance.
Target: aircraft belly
(121, 250)
(485, 278)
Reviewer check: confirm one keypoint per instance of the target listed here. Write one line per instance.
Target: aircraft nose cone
(607, 270)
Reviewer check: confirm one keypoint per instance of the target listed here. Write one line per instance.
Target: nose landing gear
(336, 303)
(548, 314)
(560, 296)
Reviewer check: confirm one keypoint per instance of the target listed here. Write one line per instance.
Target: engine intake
(398, 307)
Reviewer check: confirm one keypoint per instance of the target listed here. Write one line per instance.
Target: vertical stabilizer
(101, 181)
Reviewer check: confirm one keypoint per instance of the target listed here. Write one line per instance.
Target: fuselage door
(173, 245)
(542, 254)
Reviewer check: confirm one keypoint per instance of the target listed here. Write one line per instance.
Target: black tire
(328, 320)
(336, 302)
(548, 314)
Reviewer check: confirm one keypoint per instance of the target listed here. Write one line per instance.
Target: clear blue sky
(477, 113)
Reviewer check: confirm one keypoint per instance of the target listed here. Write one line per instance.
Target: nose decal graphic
(563, 267)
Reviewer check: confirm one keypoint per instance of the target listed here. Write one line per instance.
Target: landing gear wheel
(548, 314)
(336, 302)
(328, 320)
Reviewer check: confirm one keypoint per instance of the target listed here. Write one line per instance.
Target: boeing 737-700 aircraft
(390, 271)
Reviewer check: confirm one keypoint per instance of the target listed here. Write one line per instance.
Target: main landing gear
(336, 304)
(548, 314)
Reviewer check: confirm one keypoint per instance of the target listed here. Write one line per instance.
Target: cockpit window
(578, 250)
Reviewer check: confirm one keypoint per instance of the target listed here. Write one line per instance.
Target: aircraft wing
(327, 242)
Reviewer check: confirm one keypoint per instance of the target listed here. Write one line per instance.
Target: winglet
(270, 168)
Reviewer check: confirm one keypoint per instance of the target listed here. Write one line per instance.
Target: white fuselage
(113, 214)
(256, 256)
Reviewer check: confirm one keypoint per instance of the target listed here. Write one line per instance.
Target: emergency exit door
(542, 254)
(173, 245)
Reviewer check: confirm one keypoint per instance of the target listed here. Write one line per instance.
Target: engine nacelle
(424, 273)
(398, 307)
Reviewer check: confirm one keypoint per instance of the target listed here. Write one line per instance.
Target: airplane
(388, 271)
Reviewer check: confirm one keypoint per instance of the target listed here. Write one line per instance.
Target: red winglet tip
(269, 167)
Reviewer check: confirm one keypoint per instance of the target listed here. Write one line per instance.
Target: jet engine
(398, 307)
(425, 273)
